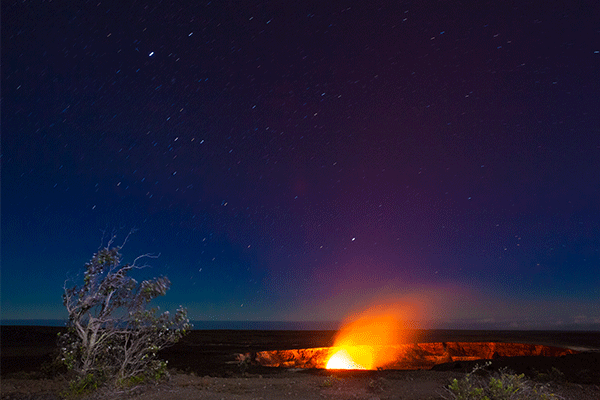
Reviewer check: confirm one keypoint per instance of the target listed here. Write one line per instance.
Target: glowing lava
(343, 360)
(409, 356)
(364, 342)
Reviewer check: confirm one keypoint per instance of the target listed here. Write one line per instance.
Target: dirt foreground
(284, 385)
(289, 384)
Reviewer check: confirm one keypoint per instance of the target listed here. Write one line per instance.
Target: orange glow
(342, 359)
(364, 341)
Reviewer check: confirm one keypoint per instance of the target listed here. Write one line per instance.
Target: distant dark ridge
(207, 325)
(267, 325)
(33, 322)
(334, 325)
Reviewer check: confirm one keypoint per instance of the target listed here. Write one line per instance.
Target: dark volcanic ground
(213, 353)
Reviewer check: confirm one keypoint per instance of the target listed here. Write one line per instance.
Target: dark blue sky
(297, 160)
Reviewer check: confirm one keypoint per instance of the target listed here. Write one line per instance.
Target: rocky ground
(286, 384)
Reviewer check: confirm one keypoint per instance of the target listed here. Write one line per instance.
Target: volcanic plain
(221, 364)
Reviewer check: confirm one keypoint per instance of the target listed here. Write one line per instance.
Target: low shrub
(500, 385)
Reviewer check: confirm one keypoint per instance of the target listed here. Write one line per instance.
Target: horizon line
(335, 325)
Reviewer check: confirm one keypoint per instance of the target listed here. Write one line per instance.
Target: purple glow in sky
(295, 160)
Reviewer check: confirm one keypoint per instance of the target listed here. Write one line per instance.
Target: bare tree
(112, 336)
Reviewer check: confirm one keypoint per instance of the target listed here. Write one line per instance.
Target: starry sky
(298, 160)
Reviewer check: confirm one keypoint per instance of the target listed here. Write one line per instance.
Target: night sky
(298, 160)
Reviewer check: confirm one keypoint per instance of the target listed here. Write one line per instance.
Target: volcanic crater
(411, 356)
